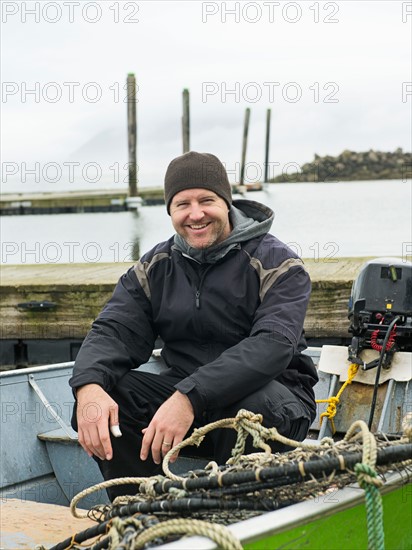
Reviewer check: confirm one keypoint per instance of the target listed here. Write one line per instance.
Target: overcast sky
(336, 75)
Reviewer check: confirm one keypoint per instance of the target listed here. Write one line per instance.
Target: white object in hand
(116, 431)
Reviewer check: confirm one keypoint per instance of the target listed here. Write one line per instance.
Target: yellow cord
(334, 400)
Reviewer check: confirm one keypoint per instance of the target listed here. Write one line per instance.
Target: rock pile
(352, 166)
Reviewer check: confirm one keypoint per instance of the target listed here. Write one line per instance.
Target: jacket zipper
(197, 293)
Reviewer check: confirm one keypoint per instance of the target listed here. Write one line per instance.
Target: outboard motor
(380, 310)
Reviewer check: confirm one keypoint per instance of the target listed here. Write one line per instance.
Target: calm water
(318, 220)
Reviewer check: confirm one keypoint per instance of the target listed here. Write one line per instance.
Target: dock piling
(186, 121)
(268, 112)
(132, 133)
(244, 145)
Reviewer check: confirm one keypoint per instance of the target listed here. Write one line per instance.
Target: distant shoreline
(352, 166)
(358, 180)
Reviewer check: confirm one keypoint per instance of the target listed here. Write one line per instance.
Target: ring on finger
(165, 444)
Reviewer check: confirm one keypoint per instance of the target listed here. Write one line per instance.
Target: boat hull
(46, 464)
(346, 529)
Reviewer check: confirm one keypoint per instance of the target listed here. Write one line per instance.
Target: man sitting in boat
(228, 300)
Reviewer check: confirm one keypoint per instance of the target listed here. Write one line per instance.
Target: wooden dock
(73, 294)
(100, 200)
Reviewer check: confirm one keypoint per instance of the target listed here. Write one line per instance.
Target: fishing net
(206, 501)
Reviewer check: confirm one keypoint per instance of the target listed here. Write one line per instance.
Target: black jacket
(228, 327)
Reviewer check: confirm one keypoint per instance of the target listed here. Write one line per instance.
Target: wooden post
(244, 145)
(186, 121)
(132, 133)
(267, 145)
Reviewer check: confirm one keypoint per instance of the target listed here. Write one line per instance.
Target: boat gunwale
(17, 376)
(35, 370)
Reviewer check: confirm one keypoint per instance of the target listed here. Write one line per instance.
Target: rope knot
(330, 411)
(333, 401)
(243, 414)
(332, 406)
(248, 423)
(147, 486)
(367, 476)
(197, 437)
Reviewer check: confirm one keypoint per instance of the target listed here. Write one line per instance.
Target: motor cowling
(381, 293)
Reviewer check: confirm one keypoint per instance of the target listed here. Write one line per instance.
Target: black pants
(140, 394)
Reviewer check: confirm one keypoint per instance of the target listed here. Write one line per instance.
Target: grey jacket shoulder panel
(142, 269)
(268, 277)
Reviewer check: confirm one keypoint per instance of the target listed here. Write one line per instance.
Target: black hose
(78, 538)
(190, 504)
(278, 476)
(289, 471)
(378, 371)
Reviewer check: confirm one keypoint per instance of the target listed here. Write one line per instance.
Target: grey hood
(249, 219)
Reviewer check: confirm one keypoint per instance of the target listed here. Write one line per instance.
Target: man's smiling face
(200, 216)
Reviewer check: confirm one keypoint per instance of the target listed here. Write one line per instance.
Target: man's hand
(168, 427)
(96, 411)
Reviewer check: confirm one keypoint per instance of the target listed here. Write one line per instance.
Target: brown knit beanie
(193, 170)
